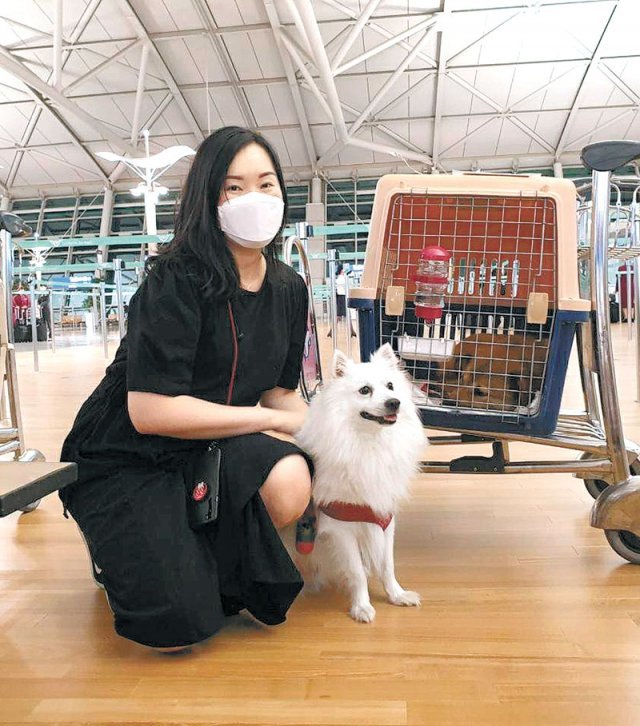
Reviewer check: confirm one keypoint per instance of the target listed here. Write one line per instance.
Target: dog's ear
(386, 354)
(339, 364)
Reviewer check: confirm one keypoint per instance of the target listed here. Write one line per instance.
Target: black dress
(168, 585)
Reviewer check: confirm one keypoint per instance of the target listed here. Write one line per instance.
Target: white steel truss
(321, 61)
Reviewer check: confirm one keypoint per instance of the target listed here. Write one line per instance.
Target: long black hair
(197, 233)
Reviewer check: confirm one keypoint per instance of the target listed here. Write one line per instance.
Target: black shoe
(98, 577)
(96, 572)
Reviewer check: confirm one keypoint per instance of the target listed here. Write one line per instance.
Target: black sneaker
(96, 572)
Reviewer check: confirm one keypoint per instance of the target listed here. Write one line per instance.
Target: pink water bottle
(432, 281)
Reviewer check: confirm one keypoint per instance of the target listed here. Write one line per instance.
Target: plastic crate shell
(496, 359)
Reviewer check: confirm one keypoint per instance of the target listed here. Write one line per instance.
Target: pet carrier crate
(473, 281)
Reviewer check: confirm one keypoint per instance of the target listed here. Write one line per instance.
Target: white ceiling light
(149, 168)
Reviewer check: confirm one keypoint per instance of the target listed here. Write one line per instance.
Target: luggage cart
(15, 491)
(491, 364)
(311, 371)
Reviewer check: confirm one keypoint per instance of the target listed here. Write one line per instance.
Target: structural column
(316, 217)
(105, 226)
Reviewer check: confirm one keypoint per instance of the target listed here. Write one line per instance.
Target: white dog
(365, 437)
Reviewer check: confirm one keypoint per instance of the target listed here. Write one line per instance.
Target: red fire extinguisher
(432, 281)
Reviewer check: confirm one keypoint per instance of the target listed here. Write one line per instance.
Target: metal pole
(7, 277)
(103, 319)
(628, 266)
(603, 351)
(52, 320)
(95, 307)
(34, 326)
(347, 313)
(117, 267)
(333, 313)
(636, 291)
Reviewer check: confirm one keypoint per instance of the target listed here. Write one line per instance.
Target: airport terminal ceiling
(342, 88)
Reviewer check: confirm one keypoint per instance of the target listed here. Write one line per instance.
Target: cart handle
(609, 155)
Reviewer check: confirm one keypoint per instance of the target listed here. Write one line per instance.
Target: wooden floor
(528, 616)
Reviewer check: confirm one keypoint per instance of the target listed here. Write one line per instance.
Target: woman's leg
(160, 576)
(287, 490)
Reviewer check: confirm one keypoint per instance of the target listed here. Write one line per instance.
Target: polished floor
(528, 616)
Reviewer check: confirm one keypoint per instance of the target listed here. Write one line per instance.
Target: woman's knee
(287, 490)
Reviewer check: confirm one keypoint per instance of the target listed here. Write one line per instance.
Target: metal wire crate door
(499, 309)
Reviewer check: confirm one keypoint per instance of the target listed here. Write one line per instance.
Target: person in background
(341, 299)
(45, 311)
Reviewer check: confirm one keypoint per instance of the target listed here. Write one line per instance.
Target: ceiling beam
(17, 69)
(591, 67)
(100, 67)
(356, 30)
(381, 30)
(217, 43)
(142, 32)
(601, 126)
(274, 21)
(314, 40)
(517, 14)
(391, 81)
(503, 112)
(308, 81)
(56, 80)
(390, 42)
(43, 88)
(438, 93)
(75, 140)
(487, 115)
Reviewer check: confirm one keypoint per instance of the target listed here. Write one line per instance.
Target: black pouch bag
(202, 483)
(203, 478)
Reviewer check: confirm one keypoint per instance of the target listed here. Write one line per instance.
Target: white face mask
(252, 220)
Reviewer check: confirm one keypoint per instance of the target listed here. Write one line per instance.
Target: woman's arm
(288, 403)
(186, 417)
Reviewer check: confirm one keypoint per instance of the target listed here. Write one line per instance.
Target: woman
(217, 326)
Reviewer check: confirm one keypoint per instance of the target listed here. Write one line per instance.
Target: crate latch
(394, 300)
(537, 308)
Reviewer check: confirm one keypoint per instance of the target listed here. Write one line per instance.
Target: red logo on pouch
(199, 491)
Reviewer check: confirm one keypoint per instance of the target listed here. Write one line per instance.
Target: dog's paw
(405, 598)
(363, 613)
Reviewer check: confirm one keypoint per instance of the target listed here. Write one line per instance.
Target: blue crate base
(542, 423)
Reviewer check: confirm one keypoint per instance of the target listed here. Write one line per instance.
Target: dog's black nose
(392, 405)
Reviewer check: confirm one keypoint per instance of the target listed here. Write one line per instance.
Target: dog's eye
(390, 386)
(479, 392)
(365, 390)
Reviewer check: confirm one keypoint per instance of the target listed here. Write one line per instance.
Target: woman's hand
(288, 422)
(288, 410)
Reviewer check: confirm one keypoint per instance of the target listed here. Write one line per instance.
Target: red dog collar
(354, 513)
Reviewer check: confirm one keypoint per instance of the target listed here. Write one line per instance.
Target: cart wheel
(626, 544)
(595, 487)
(31, 507)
